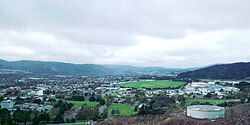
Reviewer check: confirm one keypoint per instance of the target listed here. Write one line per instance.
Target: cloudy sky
(167, 33)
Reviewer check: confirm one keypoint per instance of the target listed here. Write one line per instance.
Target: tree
(88, 113)
(105, 113)
(52, 100)
(27, 116)
(136, 108)
(92, 98)
(110, 100)
(1, 98)
(18, 116)
(209, 95)
(99, 98)
(73, 120)
(5, 117)
(45, 98)
(102, 102)
(67, 120)
(59, 119)
(38, 101)
(63, 106)
(40, 117)
(78, 98)
(35, 119)
(113, 112)
(118, 112)
(18, 100)
(44, 117)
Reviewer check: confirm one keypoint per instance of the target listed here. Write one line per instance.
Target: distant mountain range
(220, 71)
(60, 68)
(236, 71)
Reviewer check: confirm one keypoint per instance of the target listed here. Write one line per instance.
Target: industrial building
(205, 111)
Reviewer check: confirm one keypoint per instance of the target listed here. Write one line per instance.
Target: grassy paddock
(153, 84)
(125, 110)
(79, 104)
(213, 102)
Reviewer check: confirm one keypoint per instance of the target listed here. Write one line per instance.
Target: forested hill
(223, 71)
(60, 68)
(54, 68)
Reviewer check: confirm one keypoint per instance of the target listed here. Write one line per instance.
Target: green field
(79, 104)
(153, 84)
(125, 110)
(214, 102)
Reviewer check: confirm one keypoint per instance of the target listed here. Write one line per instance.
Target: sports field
(213, 102)
(153, 84)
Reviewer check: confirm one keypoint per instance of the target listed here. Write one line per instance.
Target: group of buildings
(10, 105)
(63, 88)
(204, 88)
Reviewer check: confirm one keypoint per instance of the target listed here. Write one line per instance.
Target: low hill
(55, 68)
(60, 68)
(223, 71)
(123, 69)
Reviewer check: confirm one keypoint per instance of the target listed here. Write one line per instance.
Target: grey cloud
(101, 31)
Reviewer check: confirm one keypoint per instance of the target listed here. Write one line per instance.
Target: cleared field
(214, 102)
(125, 110)
(80, 103)
(153, 84)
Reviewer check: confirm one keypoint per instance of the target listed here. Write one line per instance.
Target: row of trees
(91, 113)
(24, 117)
(158, 105)
(63, 106)
(92, 98)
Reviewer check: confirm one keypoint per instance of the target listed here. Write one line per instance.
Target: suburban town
(110, 96)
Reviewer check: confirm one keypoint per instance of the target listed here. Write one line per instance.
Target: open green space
(153, 84)
(79, 104)
(125, 110)
(214, 102)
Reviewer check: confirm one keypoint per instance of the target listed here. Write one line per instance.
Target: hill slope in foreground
(223, 71)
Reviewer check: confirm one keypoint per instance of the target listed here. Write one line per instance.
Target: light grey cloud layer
(179, 33)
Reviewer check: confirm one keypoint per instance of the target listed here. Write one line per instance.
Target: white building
(39, 93)
(33, 106)
(7, 104)
(32, 93)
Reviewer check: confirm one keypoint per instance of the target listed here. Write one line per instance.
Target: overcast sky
(167, 33)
